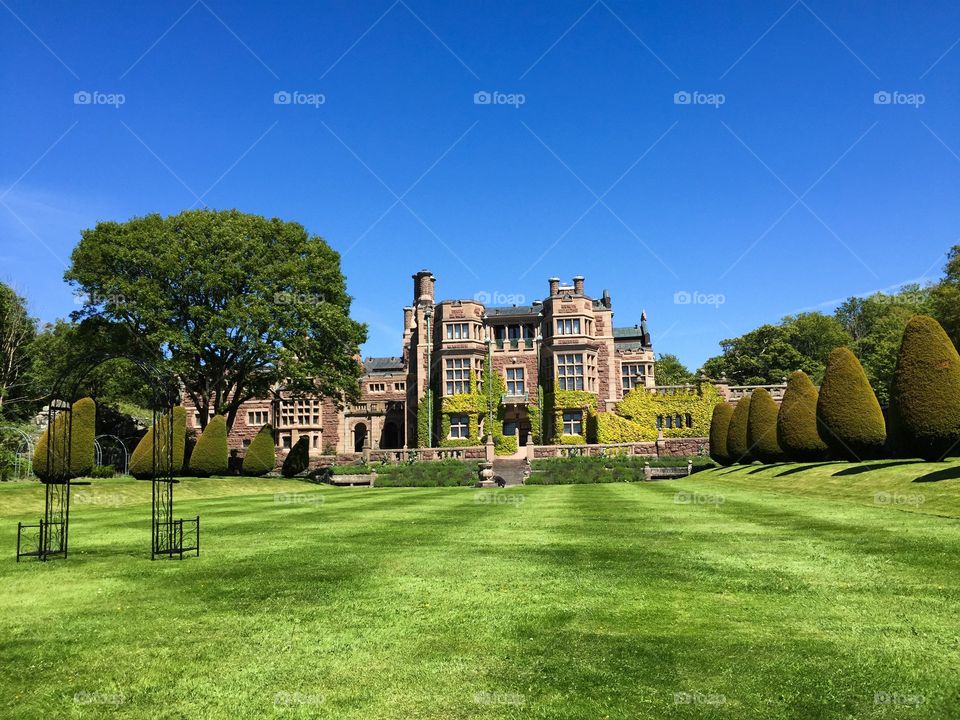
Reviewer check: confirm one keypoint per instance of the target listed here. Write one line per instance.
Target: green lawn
(749, 592)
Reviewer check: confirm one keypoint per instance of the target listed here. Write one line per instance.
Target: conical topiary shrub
(762, 427)
(261, 456)
(82, 433)
(797, 420)
(141, 461)
(210, 455)
(738, 449)
(925, 394)
(719, 425)
(849, 418)
(298, 459)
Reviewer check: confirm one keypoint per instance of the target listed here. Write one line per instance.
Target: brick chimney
(554, 286)
(578, 284)
(423, 283)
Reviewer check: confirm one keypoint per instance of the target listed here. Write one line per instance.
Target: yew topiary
(797, 420)
(141, 461)
(849, 418)
(925, 394)
(762, 427)
(738, 447)
(210, 455)
(298, 459)
(261, 456)
(83, 423)
(719, 425)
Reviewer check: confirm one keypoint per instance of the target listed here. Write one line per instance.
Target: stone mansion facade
(565, 342)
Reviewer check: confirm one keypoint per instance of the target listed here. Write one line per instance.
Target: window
(568, 326)
(378, 387)
(659, 422)
(399, 386)
(572, 422)
(669, 422)
(570, 371)
(679, 421)
(299, 412)
(316, 441)
(515, 384)
(591, 372)
(459, 426)
(689, 419)
(257, 417)
(458, 331)
(246, 442)
(286, 442)
(458, 376)
(633, 375)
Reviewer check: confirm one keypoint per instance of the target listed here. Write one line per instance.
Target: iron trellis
(48, 539)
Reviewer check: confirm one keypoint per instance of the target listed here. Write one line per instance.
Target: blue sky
(785, 183)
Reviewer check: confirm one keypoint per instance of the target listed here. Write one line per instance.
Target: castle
(565, 344)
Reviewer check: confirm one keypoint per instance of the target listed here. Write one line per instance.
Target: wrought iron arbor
(49, 538)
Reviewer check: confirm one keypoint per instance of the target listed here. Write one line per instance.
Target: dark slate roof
(513, 310)
(383, 365)
(628, 332)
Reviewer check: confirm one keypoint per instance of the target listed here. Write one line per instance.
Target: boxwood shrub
(210, 455)
(261, 456)
(849, 417)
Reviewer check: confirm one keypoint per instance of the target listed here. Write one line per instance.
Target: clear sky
(785, 183)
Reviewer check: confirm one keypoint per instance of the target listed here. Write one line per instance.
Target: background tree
(235, 303)
(668, 370)
(17, 331)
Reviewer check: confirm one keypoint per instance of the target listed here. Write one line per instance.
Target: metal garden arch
(49, 538)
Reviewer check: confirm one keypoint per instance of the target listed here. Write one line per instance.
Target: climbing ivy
(643, 407)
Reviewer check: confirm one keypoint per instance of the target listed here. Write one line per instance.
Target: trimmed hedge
(738, 447)
(925, 394)
(590, 470)
(210, 454)
(849, 418)
(719, 425)
(298, 459)
(261, 456)
(762, 427)
(797, 420)
(82, 433)
(442, 473)
(141, 461)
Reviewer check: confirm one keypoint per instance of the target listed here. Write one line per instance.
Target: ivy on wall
(423, 434)
(474, 405)
(610, 428)
(554, 403)
(643, 408)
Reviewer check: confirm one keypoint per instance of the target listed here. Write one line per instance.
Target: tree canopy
(233, 303)
(668, 370)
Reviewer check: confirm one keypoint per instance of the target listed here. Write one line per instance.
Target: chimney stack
(554, 286)
(423, 283)
(578, 284)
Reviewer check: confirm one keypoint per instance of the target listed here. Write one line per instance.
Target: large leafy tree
(668, 370)
(771, 352)
(234, 303)
(17, 330)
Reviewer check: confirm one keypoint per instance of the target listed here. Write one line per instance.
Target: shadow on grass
(768, 467)
(735, 468)
(947, 473)
(806, 466)
(867, 467)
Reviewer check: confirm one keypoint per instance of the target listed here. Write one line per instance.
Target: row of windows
(258, 417)
(463, 331)
(299, 412)
(571, 326)
(382, 387)
(677, 421)
(634, 375)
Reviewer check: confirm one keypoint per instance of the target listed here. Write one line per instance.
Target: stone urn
(484, 472)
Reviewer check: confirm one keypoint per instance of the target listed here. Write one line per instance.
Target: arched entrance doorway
(359, 436)
(391, 436)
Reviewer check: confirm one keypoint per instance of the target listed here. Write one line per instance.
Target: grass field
(778, 592)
